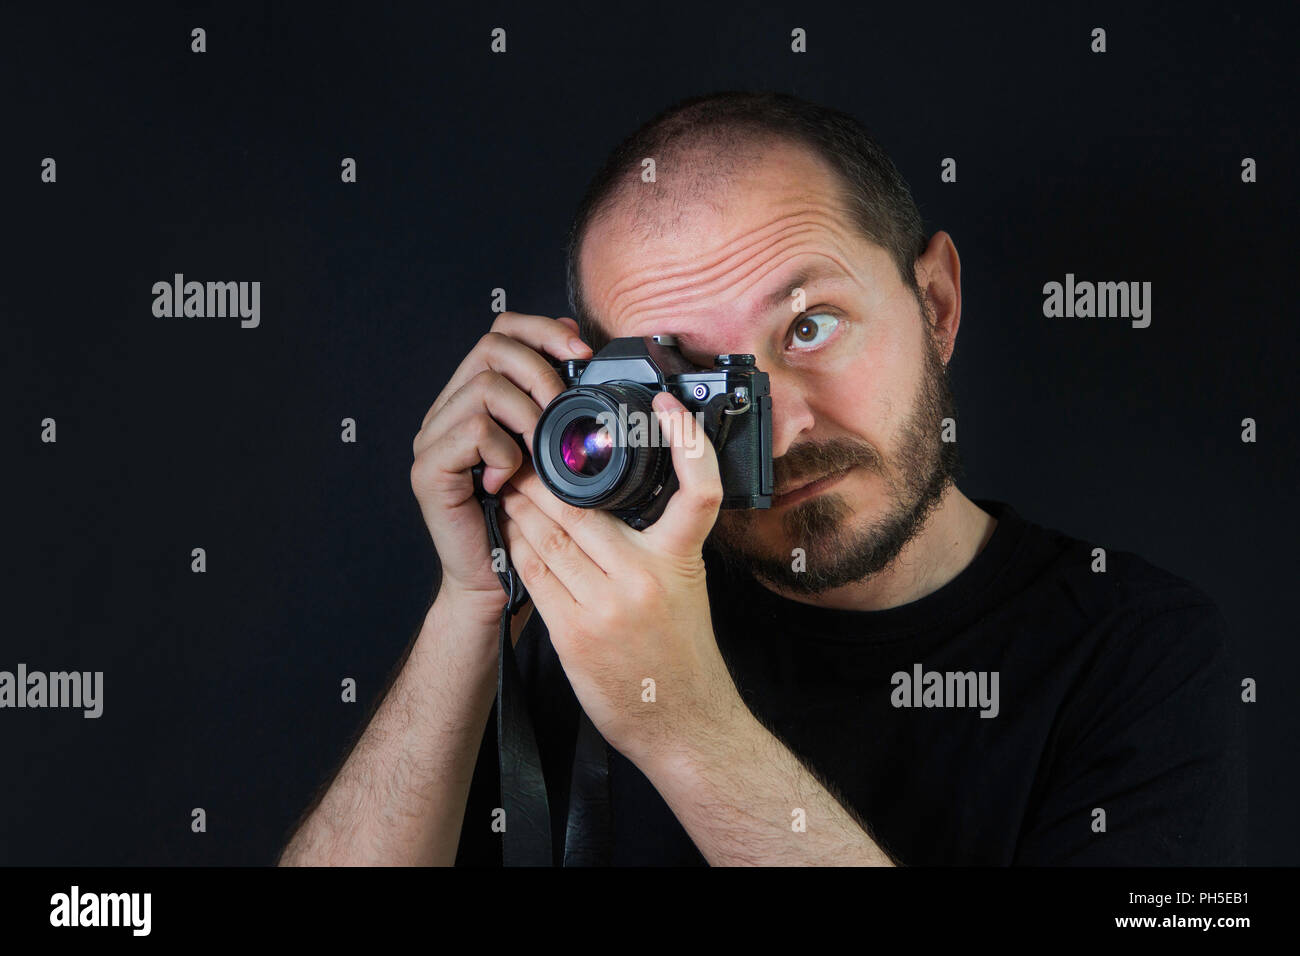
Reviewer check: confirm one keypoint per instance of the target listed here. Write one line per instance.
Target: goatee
(836, 553)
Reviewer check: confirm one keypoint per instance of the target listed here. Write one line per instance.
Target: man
(875, 671)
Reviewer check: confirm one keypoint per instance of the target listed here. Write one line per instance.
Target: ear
(938, 273)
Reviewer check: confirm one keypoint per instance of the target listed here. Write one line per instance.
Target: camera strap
(588, 837)
(526, 840)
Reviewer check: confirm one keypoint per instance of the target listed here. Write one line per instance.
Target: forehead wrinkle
(774, 242)
(827, 270)
(716, 264)
(779, 223)
(732, 323)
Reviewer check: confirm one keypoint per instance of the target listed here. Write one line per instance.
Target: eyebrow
(805, 275)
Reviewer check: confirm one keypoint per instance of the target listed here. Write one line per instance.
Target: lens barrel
(581, 447)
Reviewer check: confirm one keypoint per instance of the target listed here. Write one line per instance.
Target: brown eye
(808, 331)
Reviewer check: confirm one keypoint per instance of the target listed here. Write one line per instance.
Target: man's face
(858, 388)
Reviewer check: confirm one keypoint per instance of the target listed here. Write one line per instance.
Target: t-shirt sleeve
(1153, 737)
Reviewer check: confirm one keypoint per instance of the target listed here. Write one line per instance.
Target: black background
(222, 690)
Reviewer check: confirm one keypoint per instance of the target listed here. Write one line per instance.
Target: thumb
(693, 508)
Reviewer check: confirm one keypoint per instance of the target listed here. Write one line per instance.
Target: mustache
(812, 460)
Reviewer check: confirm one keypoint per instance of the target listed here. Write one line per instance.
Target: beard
(838, 551)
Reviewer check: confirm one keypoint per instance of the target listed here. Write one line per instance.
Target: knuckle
(597, 620)
(488, 382)
(479, 428)
(574, 516)
(488, 343)
(421, 470)
(645, 589)
(485, 379)
(532, 568)
(708, 497)
(554, 540)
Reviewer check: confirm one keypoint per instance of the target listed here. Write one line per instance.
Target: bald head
(703, 146)
(705, 266)
(696, 170)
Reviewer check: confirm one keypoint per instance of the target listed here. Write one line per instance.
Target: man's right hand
(500, 388)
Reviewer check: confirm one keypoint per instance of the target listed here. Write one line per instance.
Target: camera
(597, 444)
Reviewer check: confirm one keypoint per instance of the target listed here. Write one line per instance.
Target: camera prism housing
(597, 444)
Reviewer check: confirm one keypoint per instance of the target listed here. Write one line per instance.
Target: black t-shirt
(1114, 692)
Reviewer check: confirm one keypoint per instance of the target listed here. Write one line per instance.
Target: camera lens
(591, 448)
(585, 446)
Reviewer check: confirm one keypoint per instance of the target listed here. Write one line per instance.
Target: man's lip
(807, 488)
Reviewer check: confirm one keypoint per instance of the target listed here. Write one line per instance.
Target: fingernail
(579, 346)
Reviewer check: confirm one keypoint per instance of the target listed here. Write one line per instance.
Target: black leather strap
(588, 837)
(527, 837)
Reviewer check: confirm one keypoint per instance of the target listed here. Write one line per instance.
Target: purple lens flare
(586, 446)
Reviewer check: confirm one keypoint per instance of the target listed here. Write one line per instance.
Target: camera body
(598, 444)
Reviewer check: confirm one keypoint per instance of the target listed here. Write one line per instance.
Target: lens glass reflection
(586, 446)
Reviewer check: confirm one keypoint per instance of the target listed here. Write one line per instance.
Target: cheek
(865, 397)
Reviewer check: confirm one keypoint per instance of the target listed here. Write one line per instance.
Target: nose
(791, 414)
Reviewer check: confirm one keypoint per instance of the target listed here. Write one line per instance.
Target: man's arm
(1155, 738)
(399, 798)
(746, 800)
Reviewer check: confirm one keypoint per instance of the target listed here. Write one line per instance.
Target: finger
(584, 580)
(693, 508)
(513, 347)
(517, 361)
(478, 424)
(600, 534)
(546, 591)
(571, 323)
(543, 333)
